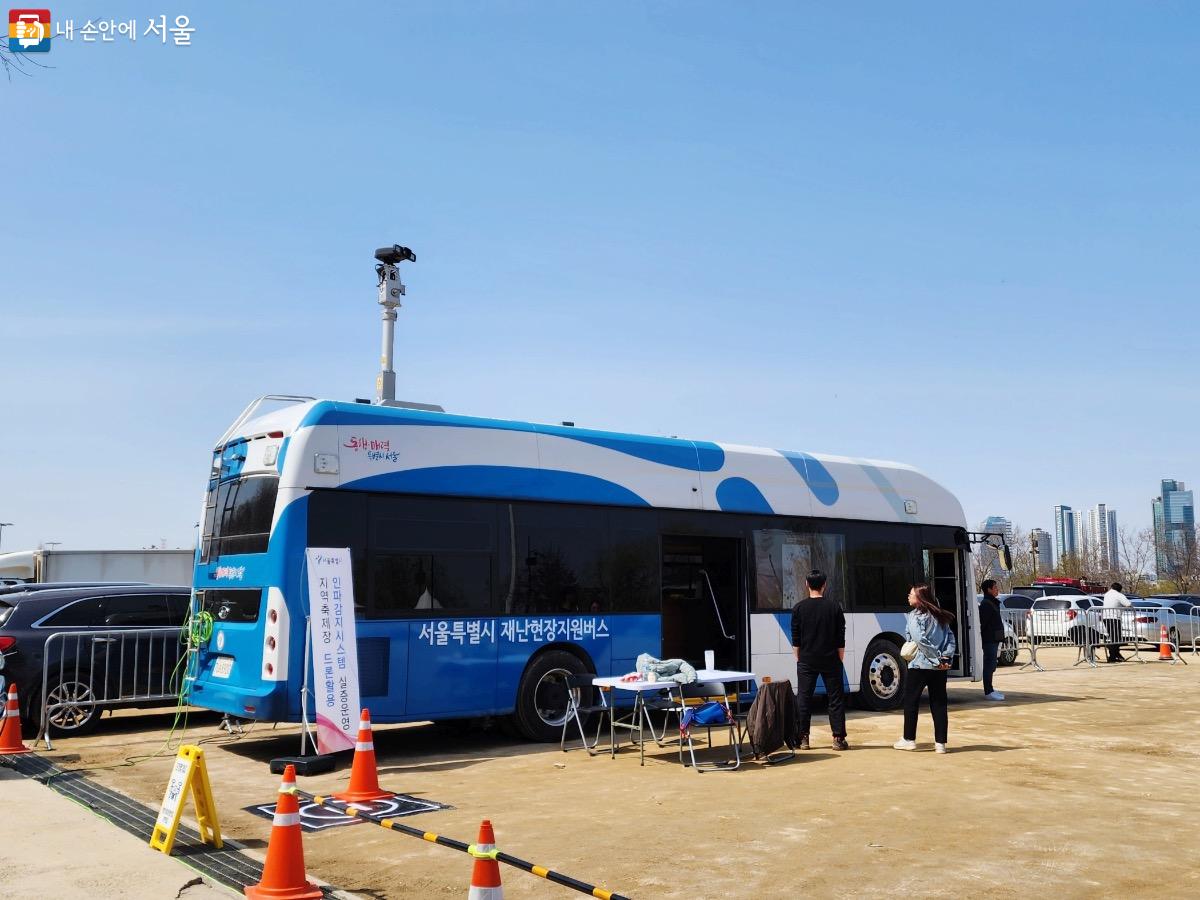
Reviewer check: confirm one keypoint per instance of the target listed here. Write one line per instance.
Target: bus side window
(884, 565)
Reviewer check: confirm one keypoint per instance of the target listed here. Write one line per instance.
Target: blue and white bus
(492, 557)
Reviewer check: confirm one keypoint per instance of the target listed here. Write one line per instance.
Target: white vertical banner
(334, 647)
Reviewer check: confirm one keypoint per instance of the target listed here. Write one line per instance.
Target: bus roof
(355, 446)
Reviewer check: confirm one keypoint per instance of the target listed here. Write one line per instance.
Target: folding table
(640, 716)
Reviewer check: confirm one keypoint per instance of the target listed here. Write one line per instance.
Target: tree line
(1136, 562)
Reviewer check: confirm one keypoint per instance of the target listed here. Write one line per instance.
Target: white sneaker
(902, 744)
(939, 748)
(994, 695)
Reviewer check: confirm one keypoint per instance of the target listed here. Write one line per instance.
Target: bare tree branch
(18, 63)
(1181, 553)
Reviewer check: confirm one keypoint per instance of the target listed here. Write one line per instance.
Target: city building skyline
(1064, 533)
(1102, 537)
(1174, 521)
(1045, 550)
(1091, 537)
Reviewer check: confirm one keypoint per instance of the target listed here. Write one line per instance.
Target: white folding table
(640, 716)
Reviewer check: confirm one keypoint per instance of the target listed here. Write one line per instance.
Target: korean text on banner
(334, 648)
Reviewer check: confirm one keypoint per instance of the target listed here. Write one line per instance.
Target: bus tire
(542, 696)
(883, 675)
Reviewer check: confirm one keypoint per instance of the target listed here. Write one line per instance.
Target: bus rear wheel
(883, 673)
(542, 695)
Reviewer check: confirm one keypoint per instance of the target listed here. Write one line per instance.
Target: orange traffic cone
(364, 780)
(1164, 643)
(10, 731)
(283, 874)
(485, 877)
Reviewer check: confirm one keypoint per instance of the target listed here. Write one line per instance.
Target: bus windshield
(239, 521)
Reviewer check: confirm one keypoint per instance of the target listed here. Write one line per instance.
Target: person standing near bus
(1114, 599)
(927, 626)
(991, 632)
(819, 646)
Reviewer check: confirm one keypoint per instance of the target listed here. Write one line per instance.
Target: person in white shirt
(1113, 601)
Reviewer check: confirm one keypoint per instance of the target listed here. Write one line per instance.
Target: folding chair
(741, 712)
(579, 686)
(704, 693)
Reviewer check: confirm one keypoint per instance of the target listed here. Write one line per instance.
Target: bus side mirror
(1005, 557)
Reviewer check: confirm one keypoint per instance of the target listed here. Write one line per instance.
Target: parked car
(25, 587)
(1008, 649)
(102, 657)
(1014, 609)
(1062, 619)
(1187, 614)
(1048, 590)
(1016, 601)
(1192, 599)
(1182, 625)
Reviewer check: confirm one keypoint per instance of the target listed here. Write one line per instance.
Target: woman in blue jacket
(927, 626)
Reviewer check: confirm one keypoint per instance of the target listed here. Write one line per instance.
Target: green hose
(199, 628)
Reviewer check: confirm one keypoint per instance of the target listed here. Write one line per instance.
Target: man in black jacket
(991, 633)
(819, 645)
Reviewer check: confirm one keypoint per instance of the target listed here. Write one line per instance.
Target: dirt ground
(1083, 783)
(77, 855)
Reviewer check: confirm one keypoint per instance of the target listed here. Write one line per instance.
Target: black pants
(991, 654)
(917, 681)
(806, 686)
(1113, 627)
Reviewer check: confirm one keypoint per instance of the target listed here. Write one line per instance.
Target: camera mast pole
(391, 289)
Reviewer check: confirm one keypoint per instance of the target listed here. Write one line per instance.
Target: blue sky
(958, 236)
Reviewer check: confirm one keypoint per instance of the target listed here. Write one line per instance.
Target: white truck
(150, 566)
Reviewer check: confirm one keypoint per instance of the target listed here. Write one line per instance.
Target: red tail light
(7, 643)
(1071, 614)
(1143, 620)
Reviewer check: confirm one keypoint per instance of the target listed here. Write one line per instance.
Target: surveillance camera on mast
(391, 289)
(395, 254)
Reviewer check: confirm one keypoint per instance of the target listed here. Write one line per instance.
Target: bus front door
(944, 573)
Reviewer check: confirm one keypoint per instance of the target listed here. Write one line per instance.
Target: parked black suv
(103, 661)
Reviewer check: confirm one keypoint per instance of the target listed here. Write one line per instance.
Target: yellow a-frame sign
(189, 774)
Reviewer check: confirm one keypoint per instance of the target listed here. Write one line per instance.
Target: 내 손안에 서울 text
(33, 30)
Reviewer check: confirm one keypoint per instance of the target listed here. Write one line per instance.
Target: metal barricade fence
(1016, 633)
(1061, 628)
(1191, 622)
(1137, 629)
(86, 670)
